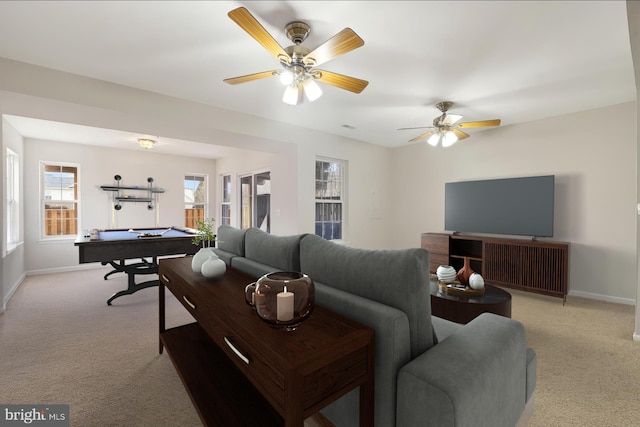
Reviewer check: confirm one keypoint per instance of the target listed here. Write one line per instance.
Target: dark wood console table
(239, 371)
(528, 265)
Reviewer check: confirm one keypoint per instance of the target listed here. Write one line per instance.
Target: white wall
(98, 166)
(633, 17)
(293, 186)
(593, 156)
(369, 197)
(283, 185)
(12, 266)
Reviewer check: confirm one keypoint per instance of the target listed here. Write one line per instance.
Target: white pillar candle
(285, 306)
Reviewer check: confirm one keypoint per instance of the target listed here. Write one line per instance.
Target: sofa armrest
(477, 376)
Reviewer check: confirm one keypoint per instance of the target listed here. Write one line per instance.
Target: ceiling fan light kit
(291, 95)
(311, 89)
(298, 61)
(446, 129)
(448, 138)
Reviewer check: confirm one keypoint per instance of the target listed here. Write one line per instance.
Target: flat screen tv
(515, 206)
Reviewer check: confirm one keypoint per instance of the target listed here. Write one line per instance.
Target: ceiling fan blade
(341, 81)
(424, 135)
(460, 134)
(250, 77)
(419, 127)
(247, 22)
(343, 42)
(481, 123)
(450, 119)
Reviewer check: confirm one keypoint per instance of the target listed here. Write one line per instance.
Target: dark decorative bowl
(283, 299)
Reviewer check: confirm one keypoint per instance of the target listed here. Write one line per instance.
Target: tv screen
(517, 206)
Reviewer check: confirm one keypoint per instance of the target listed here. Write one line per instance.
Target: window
(60, 199)
(255, 199)
(195, 199)
(225, 215)
(330, 184)
(13, 201)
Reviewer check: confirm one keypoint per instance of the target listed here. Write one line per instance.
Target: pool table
(116, 246)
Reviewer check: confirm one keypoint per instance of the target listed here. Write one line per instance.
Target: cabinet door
(502, 263)
(438, 246)
(537, 267)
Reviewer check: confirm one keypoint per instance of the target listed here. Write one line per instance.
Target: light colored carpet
(588, 363)
(61, 343)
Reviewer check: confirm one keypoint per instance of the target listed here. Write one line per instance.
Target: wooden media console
(528, 265)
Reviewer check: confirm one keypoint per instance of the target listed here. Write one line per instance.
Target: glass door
(255, 199)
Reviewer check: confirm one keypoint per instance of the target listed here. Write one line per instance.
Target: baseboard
(12, 291)
(605, 298)
(636, 336)
(64, 269)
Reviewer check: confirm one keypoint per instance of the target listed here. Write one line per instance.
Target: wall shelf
(135, 187)
(119, 195)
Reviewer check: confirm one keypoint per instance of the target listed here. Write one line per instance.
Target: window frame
(225, 199)
(206, 196)
(77, 201)
(253, 201)
(342, 200)
(12, 192)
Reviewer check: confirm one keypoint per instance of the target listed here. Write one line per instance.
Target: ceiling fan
(446, 129)
(298, 62)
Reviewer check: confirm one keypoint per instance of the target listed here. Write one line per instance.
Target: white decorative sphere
(446, 274)
(476, 281)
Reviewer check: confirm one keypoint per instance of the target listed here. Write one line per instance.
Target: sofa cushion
(398, 278)
(280, 252)
(230, 240)
(442, 328)
(224, 255)
(251, 267)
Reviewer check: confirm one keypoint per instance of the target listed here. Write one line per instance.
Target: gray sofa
(428, 371)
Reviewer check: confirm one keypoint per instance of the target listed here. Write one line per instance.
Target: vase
(476, 281)
(465, 272)
(213, 267)
(284, 299)
(199, 258)
(446, 274)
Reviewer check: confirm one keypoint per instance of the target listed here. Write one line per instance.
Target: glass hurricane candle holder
(283, 299)
(249, 296)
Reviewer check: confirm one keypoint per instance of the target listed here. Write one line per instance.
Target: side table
(463, 309)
